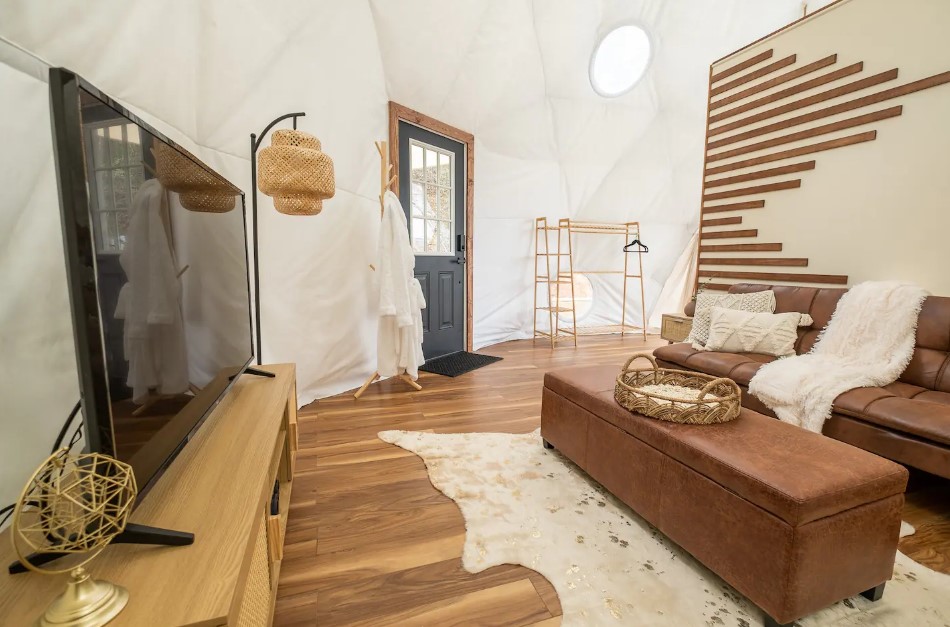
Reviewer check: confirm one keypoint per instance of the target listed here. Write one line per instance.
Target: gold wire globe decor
(73, 506)
(198, 189)
(296, 173)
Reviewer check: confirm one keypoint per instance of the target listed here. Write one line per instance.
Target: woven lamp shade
(296, 173)
(198, 189)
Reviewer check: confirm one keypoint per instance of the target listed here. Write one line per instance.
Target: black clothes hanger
(643, 248)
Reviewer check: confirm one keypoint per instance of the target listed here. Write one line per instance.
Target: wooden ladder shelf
(563, 273)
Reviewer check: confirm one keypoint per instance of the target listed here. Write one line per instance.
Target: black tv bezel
(81, 266)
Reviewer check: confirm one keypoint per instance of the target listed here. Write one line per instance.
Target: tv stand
(221, 487)
(133, 534)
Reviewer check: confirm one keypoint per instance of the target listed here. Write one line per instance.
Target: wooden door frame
(397, 113)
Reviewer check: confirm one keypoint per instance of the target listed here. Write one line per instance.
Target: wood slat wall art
(728, 234)
(824, 79)
(835, 279)
(774, 82)
(785, 100)
(851, 105)
(735, 206)
(751, 76)
(722, 221)
(816, 131)
(735, 69)
(740, 248)
(763, 174)
(756, 189)
(754, 261)
(798, 120)
(831, 144)
(808, 101)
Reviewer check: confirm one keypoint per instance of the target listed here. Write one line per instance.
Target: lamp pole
(256, 141)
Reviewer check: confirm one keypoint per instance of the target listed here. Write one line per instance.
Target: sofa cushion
(796, 475)
(762, 302)
(819, 303)
(902, 407)
(740, 367)
(733, 331)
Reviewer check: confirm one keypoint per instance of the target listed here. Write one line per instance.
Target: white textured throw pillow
(705, 301)
(732, 331)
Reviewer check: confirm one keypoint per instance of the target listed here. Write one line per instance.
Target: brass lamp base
(85, 603)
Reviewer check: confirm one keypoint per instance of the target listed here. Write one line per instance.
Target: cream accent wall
(877, 210)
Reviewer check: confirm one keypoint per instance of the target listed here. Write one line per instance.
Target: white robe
(401, 301)
(150, 302)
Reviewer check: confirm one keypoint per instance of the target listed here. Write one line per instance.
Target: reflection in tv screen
(171, 273)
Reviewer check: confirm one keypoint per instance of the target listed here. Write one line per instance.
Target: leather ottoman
(793, 520)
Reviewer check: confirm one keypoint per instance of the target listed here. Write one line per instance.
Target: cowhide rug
(526, 505)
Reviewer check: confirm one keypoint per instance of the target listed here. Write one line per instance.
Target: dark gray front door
(432, 192)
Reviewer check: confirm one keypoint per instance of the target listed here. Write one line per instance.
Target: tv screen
(156, 260)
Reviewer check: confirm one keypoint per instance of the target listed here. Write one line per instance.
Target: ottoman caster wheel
(547, 444)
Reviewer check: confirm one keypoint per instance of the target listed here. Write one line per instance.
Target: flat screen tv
(156, 256)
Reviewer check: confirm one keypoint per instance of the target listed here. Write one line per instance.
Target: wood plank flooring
(371, 542)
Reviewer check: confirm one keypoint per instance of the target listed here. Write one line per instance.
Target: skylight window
(620, 60)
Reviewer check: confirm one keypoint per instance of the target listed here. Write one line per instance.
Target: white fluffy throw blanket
(868, 342)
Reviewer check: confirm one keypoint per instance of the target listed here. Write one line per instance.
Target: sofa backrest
(929, 367)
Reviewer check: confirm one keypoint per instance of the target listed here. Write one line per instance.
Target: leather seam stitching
(879, 398)
(943, 369)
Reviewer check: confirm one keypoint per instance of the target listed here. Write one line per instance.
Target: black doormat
(454, 364)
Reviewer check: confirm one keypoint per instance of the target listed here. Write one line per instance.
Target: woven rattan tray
(676, 395)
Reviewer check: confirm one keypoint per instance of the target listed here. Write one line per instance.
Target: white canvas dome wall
(513, 72)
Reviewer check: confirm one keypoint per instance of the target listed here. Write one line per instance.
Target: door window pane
(416, 164)
(134, 143)
(431, 236)
(416, 198)
(432, 202)
(431, 199)
(116, 146)
(445, 237)
(445, 169)
(445, 203)
(432, 161)
(115, 153)
(418, 238)
(100, 148)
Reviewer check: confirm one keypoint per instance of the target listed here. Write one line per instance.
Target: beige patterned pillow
(732, 331)
(705, 301)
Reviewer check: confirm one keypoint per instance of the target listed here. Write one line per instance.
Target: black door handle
(459, 242)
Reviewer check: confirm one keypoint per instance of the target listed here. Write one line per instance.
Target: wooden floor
(371, 542)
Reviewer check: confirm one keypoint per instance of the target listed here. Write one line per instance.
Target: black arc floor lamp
(299, 177)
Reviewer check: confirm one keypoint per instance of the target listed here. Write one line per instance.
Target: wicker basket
(688, 397)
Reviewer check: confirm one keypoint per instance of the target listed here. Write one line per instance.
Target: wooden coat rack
(386, 180)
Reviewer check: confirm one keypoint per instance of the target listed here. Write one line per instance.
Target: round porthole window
(620, 59)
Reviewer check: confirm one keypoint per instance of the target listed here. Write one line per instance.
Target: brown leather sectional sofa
(907, 421)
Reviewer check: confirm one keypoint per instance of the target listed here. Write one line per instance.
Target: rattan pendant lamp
(297, 175)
